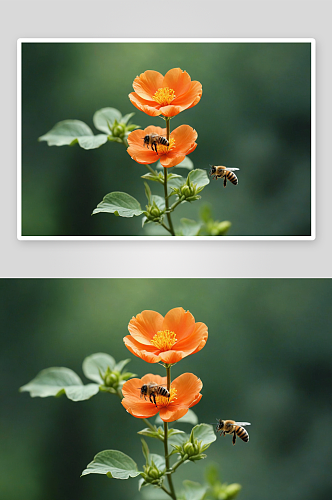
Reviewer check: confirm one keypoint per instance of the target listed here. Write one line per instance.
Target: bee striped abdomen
(232, 177)
(163, 140)
(242, 433)
(162, 391)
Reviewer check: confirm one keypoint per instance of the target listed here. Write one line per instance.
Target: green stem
(166, 490)
(175, 204)
(169, 477)
(164, 226)
(165, 183)
(177, 464)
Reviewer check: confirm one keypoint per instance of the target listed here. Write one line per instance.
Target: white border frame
(20, 41)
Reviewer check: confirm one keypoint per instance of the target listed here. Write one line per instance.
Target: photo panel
(166, 138)
(96, 371)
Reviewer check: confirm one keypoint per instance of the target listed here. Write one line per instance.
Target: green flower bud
(189, 448)
(118, 130)
(155, 211)
(186, 191)
(112, 379)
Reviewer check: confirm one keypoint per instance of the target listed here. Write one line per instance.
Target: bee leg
(234, 437)
(225, 181)
(153, 400)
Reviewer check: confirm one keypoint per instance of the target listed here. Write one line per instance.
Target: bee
(153, 140)
(152, 390)
(235, 428)
(224, 172)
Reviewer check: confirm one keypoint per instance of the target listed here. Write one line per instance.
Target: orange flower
(155, 338)
(181, 143)
(167, 95)
(184, 393)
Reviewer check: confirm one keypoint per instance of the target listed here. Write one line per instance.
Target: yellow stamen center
(162, 150)
(164, 96)
(163, 401)
(164, 340)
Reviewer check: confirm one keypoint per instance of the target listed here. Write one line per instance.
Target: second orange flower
(184, 393)
(181, 143)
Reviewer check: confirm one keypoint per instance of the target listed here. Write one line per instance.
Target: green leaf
(194, 491)
(97, 363)
(158, 460)
(190, 417)
(121, 364)
(200, 178)
(151, 177)
(57, 381)
(176, 182)
(159, 201)
(147, 192)
(118, 203)
(204, 433)
(145, 450)
(104, 118)
(113, 463)
(189, 227)
(149, 433)
(69, 132)
(186, 163)
(125, 119)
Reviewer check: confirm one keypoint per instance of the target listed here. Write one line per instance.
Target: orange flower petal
(171, 110)
(149, 107)
(179, 321)
(168, 414)
(148, 83)
(198, 336)
(177, 80)
(185, 136)
(188, 387)
(145, 325)
(140, 409)
(193, 94)
(141, 351)
(171, 357)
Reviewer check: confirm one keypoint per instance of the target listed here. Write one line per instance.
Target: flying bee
(224, 172)
(153, 140)
(152, 390)
(235, 428)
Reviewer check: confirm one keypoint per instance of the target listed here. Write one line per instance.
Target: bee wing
(242, 424)
(232, 169)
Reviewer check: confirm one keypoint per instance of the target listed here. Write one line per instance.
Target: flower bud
(189, 448)
(112, 379)
(186, 191)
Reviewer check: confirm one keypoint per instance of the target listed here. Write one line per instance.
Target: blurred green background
(267, 361)
(254, 115)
